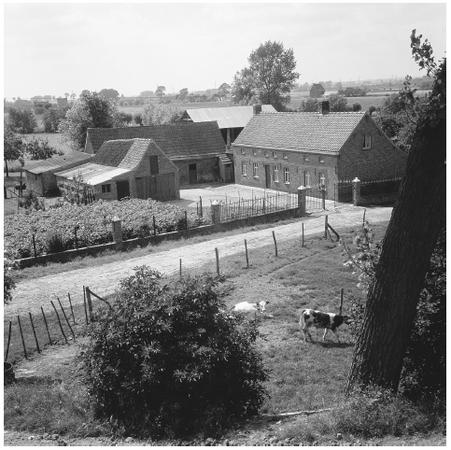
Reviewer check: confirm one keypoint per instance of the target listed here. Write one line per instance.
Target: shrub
(375, 413)
(55, 242)
(9, 282)
(168, 360)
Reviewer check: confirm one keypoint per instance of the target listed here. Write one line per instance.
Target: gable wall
(382, 161)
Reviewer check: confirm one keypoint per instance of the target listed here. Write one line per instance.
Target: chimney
(325, 107)
(257, 109)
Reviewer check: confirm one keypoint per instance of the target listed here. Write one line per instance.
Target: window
(286, 175)
(255, 170)
(154, 165)
(285, 156)
(321, 179)
(254, 152)
(307, 181)
(306, 158)
(321, 160)
(266, 154)
(275, 174)
(274, 155)
(367, 141)
(244, 169)
(106, 188)
(243, 152)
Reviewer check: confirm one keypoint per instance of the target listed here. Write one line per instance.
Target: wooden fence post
(302, 239)
(326, 221)
(23, 340)
(341, 300)
(180, 269)
(217, 261)
(9, 340)
(46, 326)
(65, 317)
(89, 302)
(154, 226)
(59, 321)
(34, 245)
(247, 253)
(201, 211)
(34, 333)
(84, 304)
(275, 243)
(71, 308)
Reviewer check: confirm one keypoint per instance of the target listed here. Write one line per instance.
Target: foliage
(356, 107)
(138, 118)
(161, 91)
(9, 282)
(309, 105)
(352, 92)
(424, 370)
(109, 94)
(40, 149)
(338, 103)
(12, 145)
(376, 413)
(182, 95)
(124, 119)
(317, 90)
(160, 114)
(94, 223)
(21, 120)
(54, 242)
(270, 76)
(168, 360)
(52, 118)
(90, 111)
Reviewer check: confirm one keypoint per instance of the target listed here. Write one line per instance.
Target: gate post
(355, 191)
(116, 231)
(215, 212)
(302, 191)
(322, 189)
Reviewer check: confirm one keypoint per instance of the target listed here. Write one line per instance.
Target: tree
(40, 149)
(409, 241)
(270, 76)
(309, 105)
(12, 147)
(89, 111)
(146, 94)
(160, 92)
(182, 95)
(159, 114)
(356, 107)
(52, 118)
(338, 103)
(109, 94)
(317, 90)
(224, 90)
(21, 120)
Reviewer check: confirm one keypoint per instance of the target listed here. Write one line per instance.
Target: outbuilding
(122, 168)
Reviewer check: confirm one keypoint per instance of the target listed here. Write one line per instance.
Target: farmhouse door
(268, 175)
(192, 174)
(141, 188)
(123, 189)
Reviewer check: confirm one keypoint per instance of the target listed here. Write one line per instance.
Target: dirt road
(30, 294)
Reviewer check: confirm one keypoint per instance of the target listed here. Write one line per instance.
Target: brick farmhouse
(197, 149)
(283, 151)
(124, 168)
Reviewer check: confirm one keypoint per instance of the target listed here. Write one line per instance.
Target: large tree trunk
(409, 241)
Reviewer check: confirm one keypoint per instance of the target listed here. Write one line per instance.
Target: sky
(54, 48)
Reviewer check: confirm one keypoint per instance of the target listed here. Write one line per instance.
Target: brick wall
(383, 160)
(301, 166)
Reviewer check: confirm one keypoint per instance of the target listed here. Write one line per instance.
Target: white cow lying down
(245, 307)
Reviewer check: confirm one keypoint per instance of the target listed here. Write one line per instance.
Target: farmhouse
(40, 174)
(197, 149)
(124, 168)
(231, 120)
(283, 151)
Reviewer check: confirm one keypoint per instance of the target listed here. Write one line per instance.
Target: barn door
(192, 174)
(123, 189)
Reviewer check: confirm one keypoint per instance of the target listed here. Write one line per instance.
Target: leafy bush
(55, 242)
(8, 279)
(168, 360)
(375, 413)
(94, 223)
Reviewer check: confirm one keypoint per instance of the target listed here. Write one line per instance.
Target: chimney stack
(325, 107)
(257, 109)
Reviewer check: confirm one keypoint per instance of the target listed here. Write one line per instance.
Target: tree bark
(407, 247)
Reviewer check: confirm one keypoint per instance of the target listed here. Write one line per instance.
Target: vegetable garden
(71, 226)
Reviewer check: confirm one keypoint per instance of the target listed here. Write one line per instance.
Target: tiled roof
(227, 117)
(56, 162)
(92, 173)
(124, 153)
(302, 131)
(178, 141)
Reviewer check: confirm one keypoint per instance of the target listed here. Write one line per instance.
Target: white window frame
(255, 169)
(307, 178)
(244, 169)
(243, 152)
(322, 175)
(367, 142)
(286, 175)
(275, 175)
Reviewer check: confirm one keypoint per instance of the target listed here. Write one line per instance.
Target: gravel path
(30, 294)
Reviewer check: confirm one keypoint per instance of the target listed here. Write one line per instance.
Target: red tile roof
(178, 141)
(301, 131)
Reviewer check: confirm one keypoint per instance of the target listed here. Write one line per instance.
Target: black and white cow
(328, 321)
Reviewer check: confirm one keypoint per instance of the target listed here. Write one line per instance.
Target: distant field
(56, 140)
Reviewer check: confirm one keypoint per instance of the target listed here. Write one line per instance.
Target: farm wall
(382, 161)
(304, 169)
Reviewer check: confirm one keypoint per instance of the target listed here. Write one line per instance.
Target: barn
(194, 148)
(121, 168)
(283, 151)
(40, 174)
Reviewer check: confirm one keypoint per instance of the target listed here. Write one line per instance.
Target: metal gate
(314, 198)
